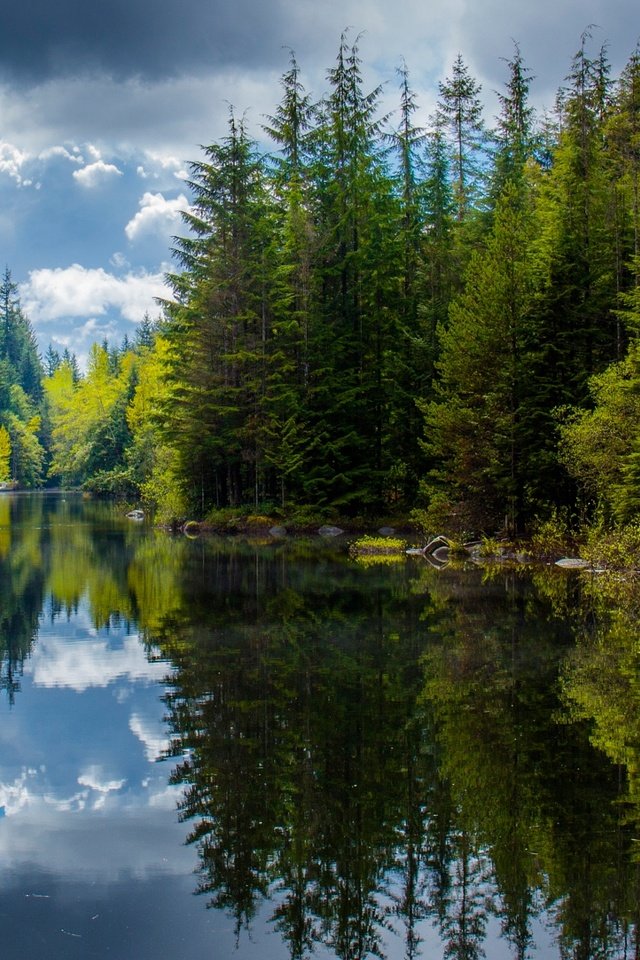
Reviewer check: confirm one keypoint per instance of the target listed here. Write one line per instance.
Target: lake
(263, 748)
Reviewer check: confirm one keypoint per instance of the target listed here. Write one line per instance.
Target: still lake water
(234, 749)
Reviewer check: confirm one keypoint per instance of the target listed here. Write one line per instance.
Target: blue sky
(102, 104)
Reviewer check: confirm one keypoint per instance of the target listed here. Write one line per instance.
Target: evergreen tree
(515, 136)
(622, 143)
(219, 325)
(70, 358)
(357, 289)
(52, 360)
(575, 251)
(285, 427)
(441, 268)
(478, 427)
(413, 341)
(18, 345)
(9, 307)
(145, 333)
(460, 110)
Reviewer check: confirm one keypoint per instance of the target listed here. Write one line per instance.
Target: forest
(372, 318)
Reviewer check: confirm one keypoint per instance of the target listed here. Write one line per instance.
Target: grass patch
(369, 549)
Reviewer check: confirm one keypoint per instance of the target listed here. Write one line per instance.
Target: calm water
(267, 750)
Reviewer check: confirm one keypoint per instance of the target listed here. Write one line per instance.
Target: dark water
(235, 749)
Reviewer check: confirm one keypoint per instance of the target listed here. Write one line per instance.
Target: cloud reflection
(151, 734)
(97, 840)
(79, 665)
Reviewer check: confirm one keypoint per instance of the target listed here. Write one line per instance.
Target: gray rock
(572, 563)
(330, 531)
(386, 531)
(278, 531)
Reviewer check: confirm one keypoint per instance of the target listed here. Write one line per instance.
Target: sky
(104, 102)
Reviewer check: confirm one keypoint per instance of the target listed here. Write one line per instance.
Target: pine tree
(286, 393)
(412, 349)
(9, 306)
(70, 358)
(478, 428)
(515, 137)
(52, 360)
(576, 247)
(145, 333)
(622, 144)
(18, 345)
(460, 110)
(356, 284)
(219, 324)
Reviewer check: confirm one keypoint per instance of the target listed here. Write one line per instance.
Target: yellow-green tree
(5, 454)
(151, 458)
(89, 428)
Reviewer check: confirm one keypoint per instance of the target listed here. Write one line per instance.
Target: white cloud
(156, 215)
(96, 173)
(60, 151)
(77, 291)
(119, 261)
(161, 164)
(12, 160)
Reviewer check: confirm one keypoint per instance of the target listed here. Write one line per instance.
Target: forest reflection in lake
(363, 760)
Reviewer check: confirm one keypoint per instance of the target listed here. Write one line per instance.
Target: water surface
(266, 749)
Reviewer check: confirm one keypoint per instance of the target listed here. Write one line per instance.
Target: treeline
(23, 438)
(377, 315)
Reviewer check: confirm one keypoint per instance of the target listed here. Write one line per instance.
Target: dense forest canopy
(374, 315)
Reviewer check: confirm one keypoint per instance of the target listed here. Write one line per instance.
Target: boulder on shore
(278, 531)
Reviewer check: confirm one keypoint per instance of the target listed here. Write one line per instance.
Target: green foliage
(552, 536)
(477, 428)
(5, 454)
(599, 445)
(90, 433)
(460, 110)
(616, 548)
(378, 317)
(21, 407)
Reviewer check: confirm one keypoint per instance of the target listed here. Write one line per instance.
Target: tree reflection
(373, 756)
(292, 707)
(601, 692)
(21, 595)
(376, 756)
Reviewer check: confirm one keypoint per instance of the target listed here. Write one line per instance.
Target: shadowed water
(338, 759)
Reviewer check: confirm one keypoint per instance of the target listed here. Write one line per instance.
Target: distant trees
(22, 454)
(92, 441)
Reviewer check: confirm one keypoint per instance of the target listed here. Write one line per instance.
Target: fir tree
(460, 110)
(219, 324)
(515, 137)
